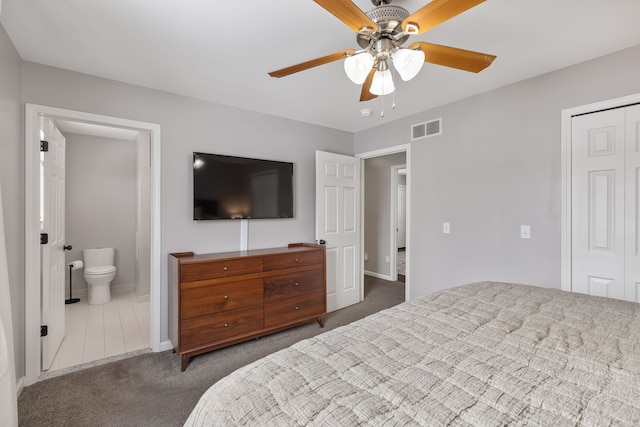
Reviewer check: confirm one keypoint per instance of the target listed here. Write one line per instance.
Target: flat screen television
(228, 187)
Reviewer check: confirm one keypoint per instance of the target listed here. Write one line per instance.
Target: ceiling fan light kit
(382, 83)
(408, 62)
(357, 66)
(381, 33)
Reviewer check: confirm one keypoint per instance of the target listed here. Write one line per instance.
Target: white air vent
(426, 129)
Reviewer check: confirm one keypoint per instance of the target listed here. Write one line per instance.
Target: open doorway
(380, 237)
(149, 247)
(106, 188)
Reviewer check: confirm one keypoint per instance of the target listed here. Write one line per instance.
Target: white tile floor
(95, 332)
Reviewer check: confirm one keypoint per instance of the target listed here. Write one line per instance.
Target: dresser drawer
(288, 285)
(216, 269)
(289, 310)
(207, 330)
(203, 300)
(293, 259)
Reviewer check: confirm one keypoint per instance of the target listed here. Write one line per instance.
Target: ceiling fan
(381, 32)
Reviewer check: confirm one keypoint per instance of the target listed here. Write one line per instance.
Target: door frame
(406, 148)
(393, 223)
(33, 112)
(566, 116)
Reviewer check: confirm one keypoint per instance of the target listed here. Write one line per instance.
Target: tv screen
(227, 187)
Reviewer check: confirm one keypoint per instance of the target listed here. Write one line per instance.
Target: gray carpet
(150, 390)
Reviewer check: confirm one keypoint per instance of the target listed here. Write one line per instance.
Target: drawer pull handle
(226, 325)
(297, 308)
(226, 297)
(296, 260)
(297, 284)
(226, 268)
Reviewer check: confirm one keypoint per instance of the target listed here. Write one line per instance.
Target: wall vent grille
(426, 129)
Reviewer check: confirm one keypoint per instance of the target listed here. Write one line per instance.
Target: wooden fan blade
(435, 13)
(461, 59)
(348, 13)
(365, 95)
(310, 64)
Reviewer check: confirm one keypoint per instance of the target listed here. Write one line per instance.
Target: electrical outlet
(525, 231)
(366, 257)
(446, 228)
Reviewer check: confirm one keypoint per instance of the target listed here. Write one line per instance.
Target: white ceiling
(221, 51)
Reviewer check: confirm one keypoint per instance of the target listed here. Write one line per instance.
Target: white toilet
(99, 271)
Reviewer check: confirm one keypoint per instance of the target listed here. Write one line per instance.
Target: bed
(483, 354)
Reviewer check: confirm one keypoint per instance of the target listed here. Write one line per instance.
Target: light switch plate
(525, 231)
(446, 228)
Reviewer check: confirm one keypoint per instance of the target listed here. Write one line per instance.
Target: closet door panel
(632, 197)
(598, 203)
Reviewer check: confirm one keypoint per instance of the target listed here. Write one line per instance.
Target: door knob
(67, 247)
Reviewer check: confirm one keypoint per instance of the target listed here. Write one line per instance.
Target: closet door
(604, 206)
(632, 197)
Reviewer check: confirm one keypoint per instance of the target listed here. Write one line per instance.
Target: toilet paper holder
(73, 265)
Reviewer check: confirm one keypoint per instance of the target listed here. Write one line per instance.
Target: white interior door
(605, 175)
(338, 224)
(632, 208)
(52, 173)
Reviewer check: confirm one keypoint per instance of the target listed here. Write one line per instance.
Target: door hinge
(44, 238)
(44, 330)
(44, 146)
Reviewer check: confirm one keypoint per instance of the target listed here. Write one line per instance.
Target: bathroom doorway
(138, 300)
(106, 206)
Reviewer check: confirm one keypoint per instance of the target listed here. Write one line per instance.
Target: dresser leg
(185, 362)
(320, 322)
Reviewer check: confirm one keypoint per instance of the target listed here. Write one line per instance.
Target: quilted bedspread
(484, 354)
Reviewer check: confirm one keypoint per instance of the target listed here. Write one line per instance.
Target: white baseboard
(20, 386)
(377, 275)
(78, 293)
(121, 287)
(166, 345)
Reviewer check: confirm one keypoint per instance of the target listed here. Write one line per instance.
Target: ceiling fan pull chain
(382, 100)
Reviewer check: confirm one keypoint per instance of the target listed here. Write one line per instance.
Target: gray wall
(12, 181)
(100, 202)
(497, 166)
(189, 125)
(377, 211)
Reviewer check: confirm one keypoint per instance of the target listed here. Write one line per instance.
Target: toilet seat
(100, 269)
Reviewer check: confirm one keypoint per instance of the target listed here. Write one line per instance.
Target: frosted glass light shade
(382, 83)
(358, 67)
(408, 62)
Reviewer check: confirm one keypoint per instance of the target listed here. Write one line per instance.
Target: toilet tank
(99, 256)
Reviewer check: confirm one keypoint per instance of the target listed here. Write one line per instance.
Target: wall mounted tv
(227, 187)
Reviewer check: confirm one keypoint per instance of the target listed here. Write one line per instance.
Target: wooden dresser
(220, 299)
